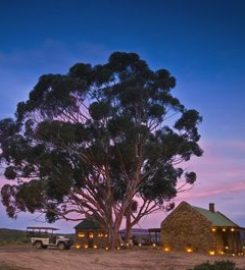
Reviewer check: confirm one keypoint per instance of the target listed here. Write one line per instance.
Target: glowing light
(223, 230)
(232, 229)
(226, 247)
(189, 250)
(121, 244)
(106, 235)
(118, 248)
(233, 254)
(78, 246)
(213, 229)
(85, 246)
(221, 252)
(81, 235)
(95, 246)
(211, 252)
(166, 249)
(127, 244)
(91, 235)
(106, 248)
(140, 245)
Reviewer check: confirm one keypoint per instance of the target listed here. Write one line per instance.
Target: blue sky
(201, 42)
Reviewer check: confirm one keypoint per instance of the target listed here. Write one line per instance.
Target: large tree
(103, 141)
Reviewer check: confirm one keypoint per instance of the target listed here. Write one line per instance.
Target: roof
(88, 224)
(216, 218)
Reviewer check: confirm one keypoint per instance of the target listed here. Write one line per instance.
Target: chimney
(212, 207)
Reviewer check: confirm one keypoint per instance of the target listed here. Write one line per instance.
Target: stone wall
(91, 239)
(186, 228)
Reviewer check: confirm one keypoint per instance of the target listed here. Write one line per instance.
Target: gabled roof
(88, 224)
(216, 218)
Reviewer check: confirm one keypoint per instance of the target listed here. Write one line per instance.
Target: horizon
(201, 43)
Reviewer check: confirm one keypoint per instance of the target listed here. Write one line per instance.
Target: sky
(201, 42)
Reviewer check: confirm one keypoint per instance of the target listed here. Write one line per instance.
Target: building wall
(91, 239)
(186, 228)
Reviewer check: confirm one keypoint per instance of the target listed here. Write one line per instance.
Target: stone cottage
(193, 229)
(90, 234)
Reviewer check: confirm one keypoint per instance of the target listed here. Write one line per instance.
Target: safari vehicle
(44, 237)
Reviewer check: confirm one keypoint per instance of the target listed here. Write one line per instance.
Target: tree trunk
(128, 232)
(113, 238)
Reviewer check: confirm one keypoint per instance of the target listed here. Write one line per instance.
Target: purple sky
(200, 42)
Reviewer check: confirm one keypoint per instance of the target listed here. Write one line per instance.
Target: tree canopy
(92, 141)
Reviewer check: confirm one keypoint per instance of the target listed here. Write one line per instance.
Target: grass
(12, 237)
(9, 267)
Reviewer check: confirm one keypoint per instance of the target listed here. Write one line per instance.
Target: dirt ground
(150, 259)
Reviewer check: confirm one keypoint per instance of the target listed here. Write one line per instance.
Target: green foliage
(94, 138)
(218, 265)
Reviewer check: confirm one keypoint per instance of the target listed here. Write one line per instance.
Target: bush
(9, 267)
(219, 265)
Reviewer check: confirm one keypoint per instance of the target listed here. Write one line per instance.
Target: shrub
(218, 265)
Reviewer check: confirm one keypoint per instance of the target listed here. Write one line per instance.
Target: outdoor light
(95, 246)
(121, 244)
(85, 246)
(91, 235)
(106, 248)
(221, 252)
(211, 252)
(81, 235)
(118, 248)
(140, 245)
(213, 229)
(166, 249)
(233, 254)
(154, 244)
(232, 229)
(189, 250)
(127, 244)
(78, 246)
(106, 235)
(226, 247)
(223, 230)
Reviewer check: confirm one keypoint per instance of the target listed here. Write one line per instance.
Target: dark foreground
(141, 259)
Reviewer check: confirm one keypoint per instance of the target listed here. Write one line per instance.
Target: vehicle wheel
(45, 247)
(61, 246)
(38, 245)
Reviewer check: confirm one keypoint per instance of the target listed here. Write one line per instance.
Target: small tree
(92, 141)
